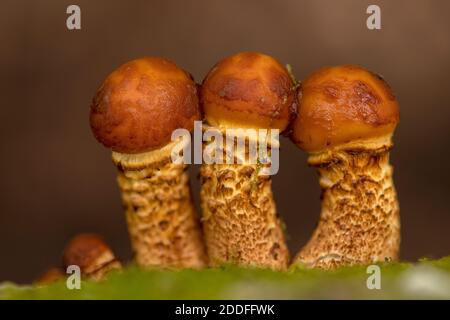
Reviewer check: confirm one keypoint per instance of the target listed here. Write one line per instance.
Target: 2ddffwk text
(227, 309)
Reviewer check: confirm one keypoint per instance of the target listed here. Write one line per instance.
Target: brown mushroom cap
(139, 105)
(51, 275)
(343, 104)
(248, 90)
(88, 251)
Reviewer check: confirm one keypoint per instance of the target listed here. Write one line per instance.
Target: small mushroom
(91, 253)
(249, 91)
(134, 113)
(51, 275)
(346, 119)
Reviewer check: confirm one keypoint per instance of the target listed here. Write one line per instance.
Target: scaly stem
(240, 222)
(163, 226)
(360, 221)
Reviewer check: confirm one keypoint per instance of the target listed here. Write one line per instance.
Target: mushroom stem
(162, 222)
(359, 221)
(240, 221)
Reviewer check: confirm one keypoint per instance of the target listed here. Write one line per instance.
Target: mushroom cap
(88, 251)
(51, 275)
(248, 90)
(141, 103)
(343, 104)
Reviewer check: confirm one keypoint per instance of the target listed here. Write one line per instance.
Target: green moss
(443, 263)
(425, 279)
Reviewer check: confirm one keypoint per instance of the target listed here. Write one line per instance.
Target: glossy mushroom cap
(248, 90)
(141, 103)
(341, 105)
(88, 251)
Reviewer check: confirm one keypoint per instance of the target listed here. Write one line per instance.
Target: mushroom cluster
(343, 116)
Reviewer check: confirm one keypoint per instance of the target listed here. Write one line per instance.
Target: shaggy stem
(360, 221)
(240, 221)
(162, 222)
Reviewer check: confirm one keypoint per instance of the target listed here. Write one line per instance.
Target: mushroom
(241, 225)
(346, 119)
(134, 113)
(53, 274)
(92, 255)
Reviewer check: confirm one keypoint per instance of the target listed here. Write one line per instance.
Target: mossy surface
(426, 279)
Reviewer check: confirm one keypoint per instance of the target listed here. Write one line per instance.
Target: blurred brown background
(58, 181)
